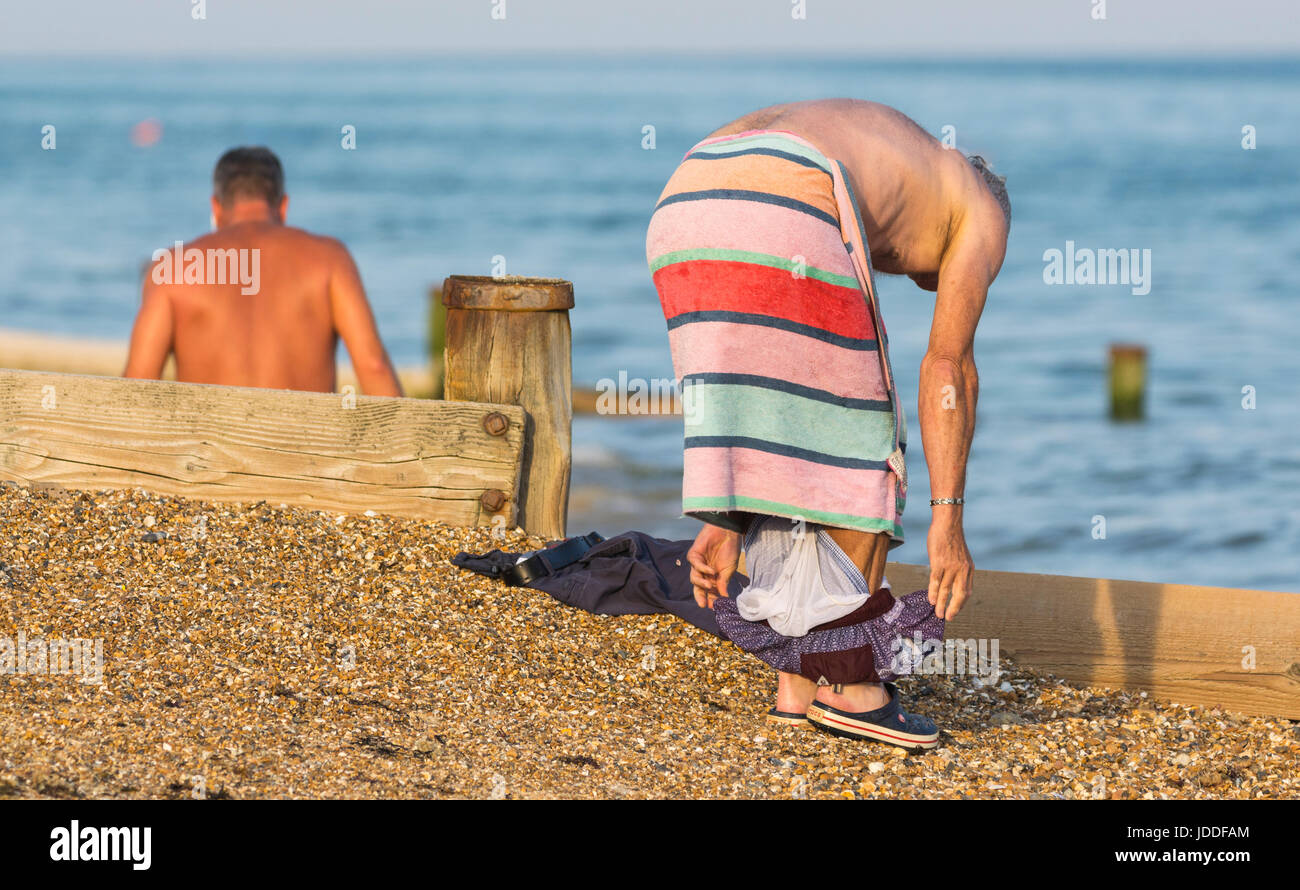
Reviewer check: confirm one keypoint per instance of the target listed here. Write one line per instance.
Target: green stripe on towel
(745, 256)
(775, 508)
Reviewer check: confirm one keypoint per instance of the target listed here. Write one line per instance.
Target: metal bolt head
(496, 423)
(493, 499)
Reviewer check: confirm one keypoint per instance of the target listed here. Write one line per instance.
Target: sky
(1026, 28)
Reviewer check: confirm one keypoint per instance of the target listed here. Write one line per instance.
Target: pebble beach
(262, 651)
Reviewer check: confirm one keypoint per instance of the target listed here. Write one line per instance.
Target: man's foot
(888, 723)
(853, 697)
(794, 693)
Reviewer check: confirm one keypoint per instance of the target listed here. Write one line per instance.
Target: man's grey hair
(997, 184)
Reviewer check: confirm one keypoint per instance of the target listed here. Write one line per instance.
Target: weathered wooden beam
(1212, 646)
(454, 462)
(508, 341)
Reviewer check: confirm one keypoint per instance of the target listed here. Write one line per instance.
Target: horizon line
(1126, 54)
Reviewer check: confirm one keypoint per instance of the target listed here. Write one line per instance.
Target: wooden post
(508, 342)
(1128, 380)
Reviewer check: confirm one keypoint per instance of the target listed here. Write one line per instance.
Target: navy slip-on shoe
(787, 718)
(889, 724)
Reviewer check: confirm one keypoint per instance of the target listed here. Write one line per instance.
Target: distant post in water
(508, 342)
(1128, 378)
(437, 340)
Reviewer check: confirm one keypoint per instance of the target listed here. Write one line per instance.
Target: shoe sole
(846, 726)
(797, 722)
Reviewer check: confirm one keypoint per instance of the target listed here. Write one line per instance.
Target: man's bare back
(915, 196)
(281, 331)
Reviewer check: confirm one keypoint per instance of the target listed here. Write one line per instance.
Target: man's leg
(794, 693)
(868, 550)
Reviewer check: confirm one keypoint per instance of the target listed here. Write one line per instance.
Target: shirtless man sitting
(797, 418)
(256, 302)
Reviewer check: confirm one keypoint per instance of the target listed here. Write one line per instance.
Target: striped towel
(757, 252)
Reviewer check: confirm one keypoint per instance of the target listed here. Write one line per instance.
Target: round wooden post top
(1127, 350)
(511, 293)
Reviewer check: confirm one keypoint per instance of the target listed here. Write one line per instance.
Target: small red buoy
(147, 133)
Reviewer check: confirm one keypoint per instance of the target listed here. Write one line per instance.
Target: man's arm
(355, 324)
(151, 338)
(949, 388)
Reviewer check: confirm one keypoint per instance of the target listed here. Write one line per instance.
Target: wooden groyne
(1210, 646)
(464, 461)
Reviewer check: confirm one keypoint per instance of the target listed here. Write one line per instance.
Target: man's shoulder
(269, 236)
(322, 245)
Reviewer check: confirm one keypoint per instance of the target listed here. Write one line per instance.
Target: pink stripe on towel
(768, 229)
(770, 477)
(728, 347)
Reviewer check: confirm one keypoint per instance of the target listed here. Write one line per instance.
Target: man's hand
(713, 558)
(952, 573)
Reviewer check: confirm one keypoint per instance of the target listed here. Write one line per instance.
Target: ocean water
(541, 162)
